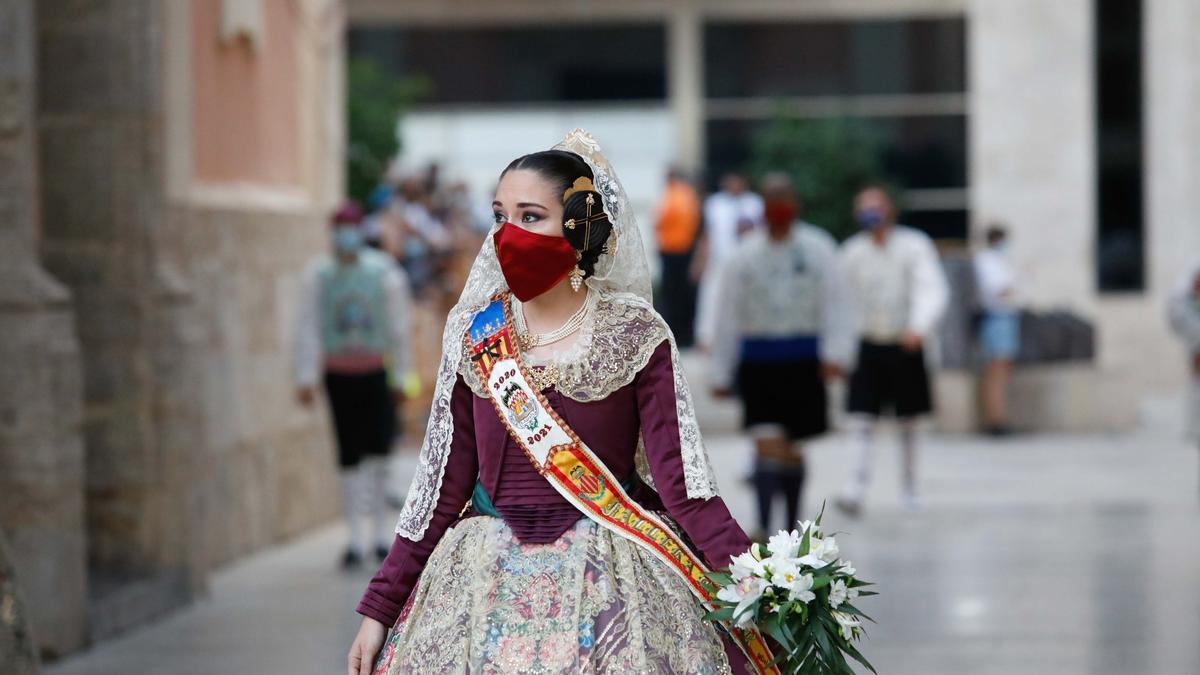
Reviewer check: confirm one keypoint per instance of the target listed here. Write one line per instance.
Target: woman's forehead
(522, 185)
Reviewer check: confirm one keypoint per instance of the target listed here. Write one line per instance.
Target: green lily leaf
(857, 656)
(720, 578)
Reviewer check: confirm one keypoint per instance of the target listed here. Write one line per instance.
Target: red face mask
(532, 263)
(779, 213)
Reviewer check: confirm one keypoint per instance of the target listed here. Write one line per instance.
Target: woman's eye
(498, 217)
(530, 218)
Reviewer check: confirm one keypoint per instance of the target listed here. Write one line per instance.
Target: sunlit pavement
(1034, 555)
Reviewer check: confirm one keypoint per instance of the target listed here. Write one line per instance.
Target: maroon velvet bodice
(533, 509)
(481, 450)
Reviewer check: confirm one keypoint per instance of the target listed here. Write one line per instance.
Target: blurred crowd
(432, 228)
(777, 306)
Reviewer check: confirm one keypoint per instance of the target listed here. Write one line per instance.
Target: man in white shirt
(1184, 313)
(999, 327)
(776, 295)
(728, 215)
(352, 335)
(895, 294)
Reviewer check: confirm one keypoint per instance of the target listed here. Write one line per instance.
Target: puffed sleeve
(306, 346)
(706, 521)
(931, 293)
(390, 587)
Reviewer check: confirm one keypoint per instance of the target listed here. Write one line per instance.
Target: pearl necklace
(572, 324)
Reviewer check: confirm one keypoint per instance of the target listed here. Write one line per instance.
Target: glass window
(523, 65)
(916, 153)
(845, 58)
(1119, 184)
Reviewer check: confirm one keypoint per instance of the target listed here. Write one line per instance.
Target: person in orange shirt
(677, 226)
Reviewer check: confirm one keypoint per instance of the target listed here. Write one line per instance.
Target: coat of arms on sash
(591, 486)
(519, 407)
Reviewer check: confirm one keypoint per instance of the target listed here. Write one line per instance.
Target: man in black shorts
(895, 294)
(352, 336)
(774, 296)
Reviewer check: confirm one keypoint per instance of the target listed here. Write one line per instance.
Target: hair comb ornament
(581, 183)
(584, 183)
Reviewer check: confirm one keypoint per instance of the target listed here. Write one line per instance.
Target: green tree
(375, 99)
(827, 159)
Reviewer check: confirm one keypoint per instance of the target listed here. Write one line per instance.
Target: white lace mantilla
(614, 344)
(617, 342)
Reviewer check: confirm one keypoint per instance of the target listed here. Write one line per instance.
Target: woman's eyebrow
(523, 205)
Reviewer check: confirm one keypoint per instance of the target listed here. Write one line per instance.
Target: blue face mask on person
(347, 239)
(869, 219)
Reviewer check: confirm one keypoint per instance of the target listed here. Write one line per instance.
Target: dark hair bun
(587, 234)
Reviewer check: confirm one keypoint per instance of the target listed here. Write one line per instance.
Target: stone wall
(175, 446)
(268, 469)
(41, 454)
(100, 118)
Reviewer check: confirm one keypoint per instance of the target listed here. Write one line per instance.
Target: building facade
(1071, 122)
(172, 165)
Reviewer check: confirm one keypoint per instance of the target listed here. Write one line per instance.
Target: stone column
(41, 454)
(1032, 140)
(101, 120)
(685, 84)
(18, 651)
(1172, 137)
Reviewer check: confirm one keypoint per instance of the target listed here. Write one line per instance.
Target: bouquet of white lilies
(798, 591)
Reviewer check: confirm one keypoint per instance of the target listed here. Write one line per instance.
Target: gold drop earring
(577, 275)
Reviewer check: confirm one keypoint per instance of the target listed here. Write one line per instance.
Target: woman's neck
(551, 309)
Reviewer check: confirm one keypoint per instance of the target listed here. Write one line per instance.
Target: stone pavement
(1040, 555)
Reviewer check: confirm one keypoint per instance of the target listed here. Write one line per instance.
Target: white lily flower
(801, 589)
(837, 593)
(784, 544)
(784, 572)
(820, 552)
(829, 549)
(844, 567)
(745, 565)
(745, 593)
(807, 525)
(847, 625)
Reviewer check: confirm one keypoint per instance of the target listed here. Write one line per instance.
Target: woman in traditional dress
(562, 463)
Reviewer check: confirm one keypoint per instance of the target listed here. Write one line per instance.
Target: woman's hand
(367, 644)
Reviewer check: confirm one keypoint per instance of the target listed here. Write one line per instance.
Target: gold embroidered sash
(574, 470)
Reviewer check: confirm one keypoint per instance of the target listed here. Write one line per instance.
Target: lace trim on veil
(623, 334)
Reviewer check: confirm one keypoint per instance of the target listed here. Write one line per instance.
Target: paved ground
(1038, 555)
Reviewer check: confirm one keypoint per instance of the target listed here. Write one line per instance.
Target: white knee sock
(354, 499)
(381, 523)
(908, 457)
(864, 436)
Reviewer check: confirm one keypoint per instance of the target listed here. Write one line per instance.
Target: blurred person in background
(728, 214)
(895, 295)
(999, 326)
(417, 237)
(677, 227)
(352, 335)
(777, 293)
(467, 221)
(1184, 313)
(375, 221)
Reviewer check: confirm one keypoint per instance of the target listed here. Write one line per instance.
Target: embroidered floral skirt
(590, 602)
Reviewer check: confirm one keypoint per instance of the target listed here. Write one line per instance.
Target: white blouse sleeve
(931, 293)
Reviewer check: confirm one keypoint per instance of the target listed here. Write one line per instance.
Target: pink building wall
(245, 119)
